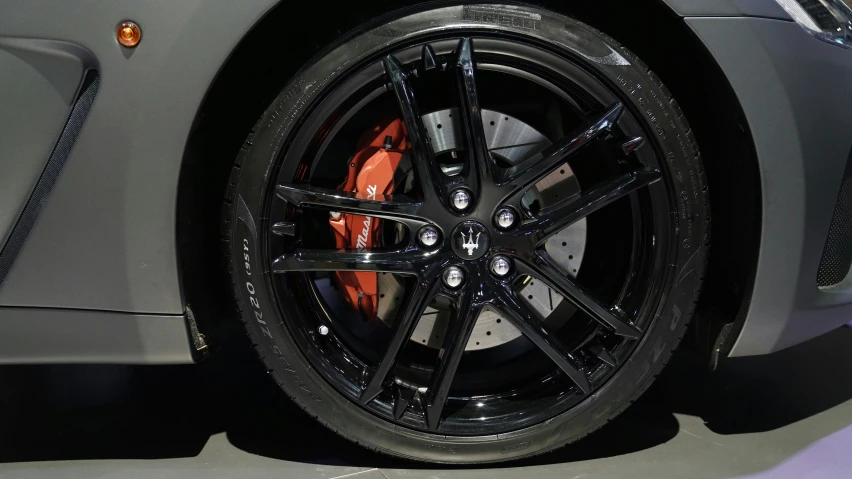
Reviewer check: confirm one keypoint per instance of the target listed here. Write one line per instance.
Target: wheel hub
(470, 240)
(511, 140)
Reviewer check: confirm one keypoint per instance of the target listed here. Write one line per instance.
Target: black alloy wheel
(548, 161)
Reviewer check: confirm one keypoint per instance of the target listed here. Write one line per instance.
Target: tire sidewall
(253, 282)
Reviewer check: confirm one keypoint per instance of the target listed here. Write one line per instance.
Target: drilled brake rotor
(510, 140)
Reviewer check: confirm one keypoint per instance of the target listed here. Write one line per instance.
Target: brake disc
(511, 141)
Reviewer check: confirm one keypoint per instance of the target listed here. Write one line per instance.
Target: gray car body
(97, 278)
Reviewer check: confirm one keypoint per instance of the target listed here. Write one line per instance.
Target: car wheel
(526, 267)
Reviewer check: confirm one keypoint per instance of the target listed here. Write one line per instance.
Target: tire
(247, 212)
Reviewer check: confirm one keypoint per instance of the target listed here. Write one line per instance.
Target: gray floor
(785, 415)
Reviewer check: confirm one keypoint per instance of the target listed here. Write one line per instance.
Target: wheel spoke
(542, 270)
(402, 262)
(632, 144)
(416, 302)
(553, 219)
(403, 397)
(479, 168)
(427, 58)
(531, 326)
(455, 341)
(395, 208)
(604, 355)
(284, 228)
(428, 174)
(523, 176)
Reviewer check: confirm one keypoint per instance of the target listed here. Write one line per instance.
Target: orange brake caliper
(370, 173)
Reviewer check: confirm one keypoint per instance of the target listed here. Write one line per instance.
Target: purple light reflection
(827, 458)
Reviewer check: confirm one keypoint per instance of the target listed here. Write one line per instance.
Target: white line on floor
(356, 473)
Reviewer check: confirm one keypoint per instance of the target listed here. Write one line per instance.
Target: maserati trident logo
(470, 240)
(469, 243)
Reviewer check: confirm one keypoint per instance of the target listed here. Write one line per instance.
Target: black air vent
(50, 175)
(837, 255)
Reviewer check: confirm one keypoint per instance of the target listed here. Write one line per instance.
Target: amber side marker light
(129, 34)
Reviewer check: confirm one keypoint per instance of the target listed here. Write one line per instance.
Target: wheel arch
(248, 82)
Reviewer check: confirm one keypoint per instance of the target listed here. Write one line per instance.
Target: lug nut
(453, 277)
(460, 199)
(323, 330)
(505, 218)
(428, 236)
(501, 266)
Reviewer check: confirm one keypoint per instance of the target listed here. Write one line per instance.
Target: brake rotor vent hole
(499, 320)
(440, 126)
(492, 123)
(381, 295)
(571, 256)
(564, 244)
(561, 172)
(488, 333)
(530, 296)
